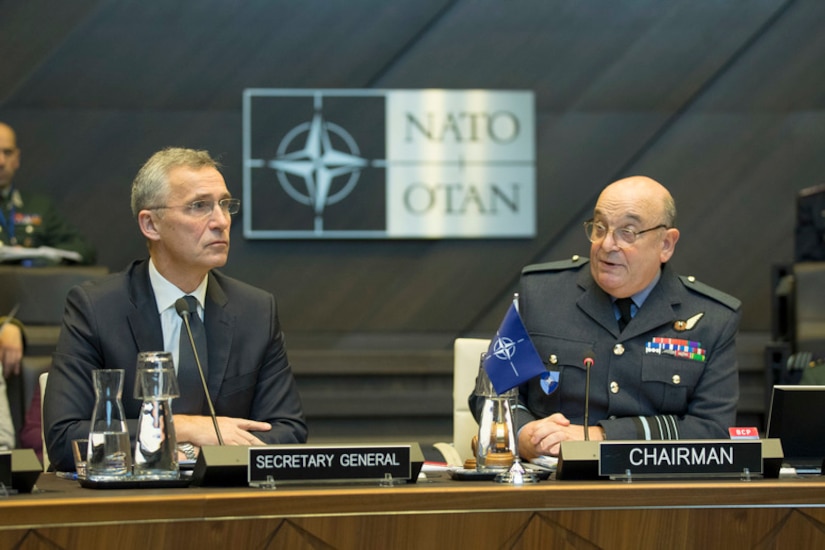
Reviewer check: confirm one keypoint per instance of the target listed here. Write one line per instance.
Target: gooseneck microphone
(588, 363)
(182, 307)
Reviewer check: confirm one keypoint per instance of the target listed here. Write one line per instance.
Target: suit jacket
(639, 389)
(108, 321)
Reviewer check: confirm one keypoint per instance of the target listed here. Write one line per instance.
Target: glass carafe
(497, 449)
(156, 455)
(109, 455)
(496, 437)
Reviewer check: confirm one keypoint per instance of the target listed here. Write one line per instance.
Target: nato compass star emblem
(314, 172)
(505, 349)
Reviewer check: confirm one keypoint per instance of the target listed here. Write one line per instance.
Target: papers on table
(14, 254)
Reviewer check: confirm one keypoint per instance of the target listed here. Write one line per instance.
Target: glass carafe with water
(497, 449)
(496, 434)
(109, 455)
(156, 455)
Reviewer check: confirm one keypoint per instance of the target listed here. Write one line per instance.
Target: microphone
(182, 308)
(588, 363)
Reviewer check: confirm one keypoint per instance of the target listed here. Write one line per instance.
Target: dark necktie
(191, 388)
(624, 309)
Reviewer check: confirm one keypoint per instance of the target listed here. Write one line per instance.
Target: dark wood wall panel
(721, 101)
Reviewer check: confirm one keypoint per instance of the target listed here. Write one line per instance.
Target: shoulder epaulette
(808, 191)
(723, 298)
(573, 263)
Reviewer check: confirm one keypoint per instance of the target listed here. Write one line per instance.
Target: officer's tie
(624, 310)
(191, 388)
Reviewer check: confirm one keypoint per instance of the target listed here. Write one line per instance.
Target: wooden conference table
(436, 513)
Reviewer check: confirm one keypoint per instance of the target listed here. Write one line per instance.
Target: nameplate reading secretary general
(183, 208)
(668, 371)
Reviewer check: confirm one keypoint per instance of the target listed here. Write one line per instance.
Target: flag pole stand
(516, 474)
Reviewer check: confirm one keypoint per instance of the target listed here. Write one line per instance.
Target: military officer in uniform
(28, 219)
(663, 346)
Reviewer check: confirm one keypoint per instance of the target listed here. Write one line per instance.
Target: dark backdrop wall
(720, 101)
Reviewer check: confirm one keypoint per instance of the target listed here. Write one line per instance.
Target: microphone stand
(579, 459)
(203, 378)
(588, 362)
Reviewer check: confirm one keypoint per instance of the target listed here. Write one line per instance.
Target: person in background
(12, 348)
(12, 342)
(663, 345)
(184, 210)
(31, 220)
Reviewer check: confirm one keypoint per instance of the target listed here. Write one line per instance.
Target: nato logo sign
(388, 164)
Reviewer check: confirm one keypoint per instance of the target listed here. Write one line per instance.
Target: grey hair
(151, 185)
(670, 211)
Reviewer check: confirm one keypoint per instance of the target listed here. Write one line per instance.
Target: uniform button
(676, 378)
(618, 349)
(576, 257)
(691, 278)
(553, 359)
(612, 417)
(614, 387)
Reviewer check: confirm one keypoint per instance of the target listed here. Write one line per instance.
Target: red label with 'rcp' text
(743, 433)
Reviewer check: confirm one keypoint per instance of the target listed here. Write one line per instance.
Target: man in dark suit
(665, 371)
(183, 208)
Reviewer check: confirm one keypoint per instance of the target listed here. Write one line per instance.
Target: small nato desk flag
(512, 359)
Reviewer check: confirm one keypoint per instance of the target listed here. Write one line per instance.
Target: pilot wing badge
(681, 326)
(512, 359)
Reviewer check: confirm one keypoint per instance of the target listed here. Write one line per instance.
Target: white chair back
(466, 356)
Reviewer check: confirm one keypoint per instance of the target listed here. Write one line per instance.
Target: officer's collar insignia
(681, 326)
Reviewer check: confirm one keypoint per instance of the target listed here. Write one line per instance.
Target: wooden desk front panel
(608, 529)
(437, 515)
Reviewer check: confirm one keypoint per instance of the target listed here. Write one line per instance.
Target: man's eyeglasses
(622, 236)
(203, 208)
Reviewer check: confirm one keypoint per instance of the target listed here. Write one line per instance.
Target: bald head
(640, 194)
(645, 208)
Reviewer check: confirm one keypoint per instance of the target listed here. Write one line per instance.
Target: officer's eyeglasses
(203, 208)
(622, 236)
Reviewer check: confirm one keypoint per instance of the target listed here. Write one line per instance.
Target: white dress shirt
(166, 294)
